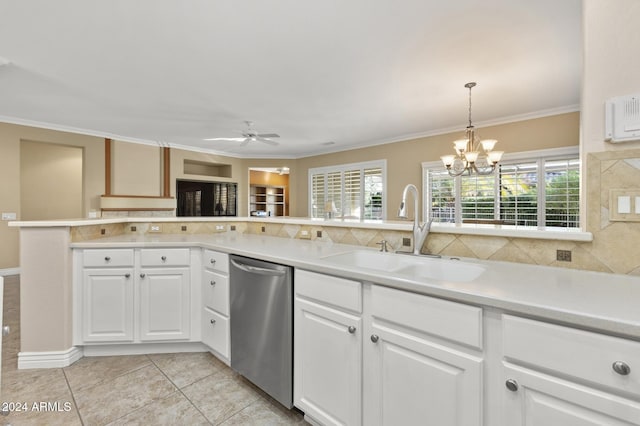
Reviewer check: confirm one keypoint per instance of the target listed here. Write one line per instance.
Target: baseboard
(144, 349)
(49, 359)
(9, 271)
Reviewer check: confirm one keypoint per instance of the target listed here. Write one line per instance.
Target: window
(538, 188)
(349, 191)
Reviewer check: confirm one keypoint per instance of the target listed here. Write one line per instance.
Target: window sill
(548, 233)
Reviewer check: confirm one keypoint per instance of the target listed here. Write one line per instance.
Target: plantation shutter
(373, 187)
(518, 193)
(317, 195)
(477, 196)
(442, 196)
(334, 192)
(562, 189)
(352, 194)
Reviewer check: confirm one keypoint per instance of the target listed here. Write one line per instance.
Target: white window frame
(539, 155)
(341, 168)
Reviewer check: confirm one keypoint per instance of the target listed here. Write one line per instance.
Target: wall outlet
(233, 227)
(563, 255)
(220, 228)
(183, 228)
(406, 242)
(305, 235)
(9, 216)
(263, 229)
(319, 234)
(155, 228)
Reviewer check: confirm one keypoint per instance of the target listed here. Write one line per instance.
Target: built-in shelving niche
(204, 168)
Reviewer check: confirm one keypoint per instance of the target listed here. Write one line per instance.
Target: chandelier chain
(470, 106)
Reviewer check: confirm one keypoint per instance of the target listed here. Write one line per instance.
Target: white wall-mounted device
(622, 119)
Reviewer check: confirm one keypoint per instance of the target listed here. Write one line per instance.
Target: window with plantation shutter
(349, 191)
(538, 189)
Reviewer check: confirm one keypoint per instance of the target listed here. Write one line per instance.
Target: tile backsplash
(612, 250)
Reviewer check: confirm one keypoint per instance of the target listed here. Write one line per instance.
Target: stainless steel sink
(413, 267)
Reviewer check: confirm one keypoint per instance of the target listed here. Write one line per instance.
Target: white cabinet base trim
(144, 349)
(49, 359)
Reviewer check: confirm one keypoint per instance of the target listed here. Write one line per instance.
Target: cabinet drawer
(164, 257)
(107, 257)
(577, 353)
(450, 320)
(216, 261)
(335, 291)
(216, 291)
(215, 332)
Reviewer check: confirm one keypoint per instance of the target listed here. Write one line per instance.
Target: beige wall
(136, 169)
(50, 181)
(404, 159)
(10, 140)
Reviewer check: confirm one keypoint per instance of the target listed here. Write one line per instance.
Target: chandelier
(472, 154)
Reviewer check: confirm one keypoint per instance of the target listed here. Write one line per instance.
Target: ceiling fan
(251, 135)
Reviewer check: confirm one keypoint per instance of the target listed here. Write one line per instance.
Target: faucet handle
(383, 245)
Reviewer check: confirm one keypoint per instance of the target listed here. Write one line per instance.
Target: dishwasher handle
(257, 269)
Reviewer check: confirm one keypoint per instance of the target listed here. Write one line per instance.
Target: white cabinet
(215, 303)
(556, 375)
(108, 305)
(413, 375)
(327, 348)
(133, 295)
(164, 304)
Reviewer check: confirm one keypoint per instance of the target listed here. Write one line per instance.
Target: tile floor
(164, 389)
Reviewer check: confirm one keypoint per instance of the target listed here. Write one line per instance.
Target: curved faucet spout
(420, 230)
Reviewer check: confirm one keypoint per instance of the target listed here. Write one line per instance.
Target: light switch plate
(9, 216)
(155, 228)
(624, 205)
(220, 228)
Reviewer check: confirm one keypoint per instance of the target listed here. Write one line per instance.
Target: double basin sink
(418, 268)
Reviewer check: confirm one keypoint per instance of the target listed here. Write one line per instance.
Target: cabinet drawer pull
(107, 258)
(212, 283)
(163, 258)
(142, 275)
(213, 321)
(6, 330)
(374, 338)
(213, 261)
(512, 385)
(621, 368)
(127, 275)
(351, 329)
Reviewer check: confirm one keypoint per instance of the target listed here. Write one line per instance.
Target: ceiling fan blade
(268, 135)
(225, 139)
(268, 142)
(245, 142)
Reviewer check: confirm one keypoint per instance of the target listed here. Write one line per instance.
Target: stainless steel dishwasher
(261, 296)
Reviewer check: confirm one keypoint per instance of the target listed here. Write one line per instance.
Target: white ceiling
(355, 72)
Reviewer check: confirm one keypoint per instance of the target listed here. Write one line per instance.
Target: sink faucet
(420, 230)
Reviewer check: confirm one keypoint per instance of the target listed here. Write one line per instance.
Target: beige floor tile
(184, 369)
(220, 396)
(172, 410)
(263, 413)
(56, 412)
(33, 385)
(89, 371)
(115, 398)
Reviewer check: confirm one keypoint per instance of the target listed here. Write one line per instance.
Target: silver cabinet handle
(213, 321)
(5, 330)
(163, 258)
(213, 261)
(212, 283)
(621, 368)
(142, 275)
(107, 258)
(512, 385)
(127, 275)
(351, 329)
(374, 338)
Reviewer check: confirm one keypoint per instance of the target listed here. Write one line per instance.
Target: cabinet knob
(107, 258)
(213, 261)
(212, 283)
(142, 275)
(621, 368)
(127, 275)
(374, 338)
(164, 258)
(512, 385)
(5, 330)
(213, 321)
(351, 329)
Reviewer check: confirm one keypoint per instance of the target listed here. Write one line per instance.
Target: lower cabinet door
(164, 304)
(411, 381)
(107, 305)
(327, 364)
(215, 332)
(535, 399)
